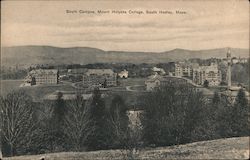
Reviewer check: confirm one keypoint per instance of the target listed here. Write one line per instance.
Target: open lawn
(229, 148)
(41, 91)
(8, 86)
(37, 92)
(132, 81)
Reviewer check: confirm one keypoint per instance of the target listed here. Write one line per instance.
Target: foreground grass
(230, 148)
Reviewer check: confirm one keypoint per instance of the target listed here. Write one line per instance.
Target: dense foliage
(171, 115)
(179, 114)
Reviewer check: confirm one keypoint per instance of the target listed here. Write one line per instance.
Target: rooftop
(44, 71)
(99, 71)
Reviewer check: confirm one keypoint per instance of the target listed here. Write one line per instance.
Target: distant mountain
(27, 55)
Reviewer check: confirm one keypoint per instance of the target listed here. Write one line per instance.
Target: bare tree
(16, 118)
(118, 120)
(126, 128)
(133, 135)
(77, 125)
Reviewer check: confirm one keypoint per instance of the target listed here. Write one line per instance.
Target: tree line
(74, 125)
(171, 115)
(177, 115)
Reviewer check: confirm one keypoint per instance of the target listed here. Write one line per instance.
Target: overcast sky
(209, 24)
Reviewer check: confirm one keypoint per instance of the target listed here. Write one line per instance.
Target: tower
(229, 62)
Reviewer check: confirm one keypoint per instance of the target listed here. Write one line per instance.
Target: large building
(100, 77)
(43, 76)
(183, 69)
(210, 73)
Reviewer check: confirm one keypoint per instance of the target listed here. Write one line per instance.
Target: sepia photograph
(124, 80)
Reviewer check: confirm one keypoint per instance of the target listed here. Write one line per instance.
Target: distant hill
(228, 148)
(83, 55)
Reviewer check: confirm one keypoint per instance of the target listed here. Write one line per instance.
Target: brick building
(43, 76)
(100, 77)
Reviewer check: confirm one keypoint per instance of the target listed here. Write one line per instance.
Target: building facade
(100, 77)
(178, 70)
(210, 73)
(43, 76)
(183, 69)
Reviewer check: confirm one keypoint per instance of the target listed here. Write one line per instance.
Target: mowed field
(132, 81)
(36, 92)
(229, 148)
(8, 86)
(39, 92)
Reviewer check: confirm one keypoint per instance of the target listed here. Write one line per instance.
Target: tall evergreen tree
(59, 111)
(216, 98)
(57, 121)
(223, 118)
(213, 114)
(100, 137)
(240, 115)
(206, 83)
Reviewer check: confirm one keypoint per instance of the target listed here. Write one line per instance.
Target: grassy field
(39, 92)
(132, 81)
(36, 92)
(9, 85)
(230, 148)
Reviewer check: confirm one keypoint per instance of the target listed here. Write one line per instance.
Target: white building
(178, 70)
(183, 69)
(123, 74)
(159, 70)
